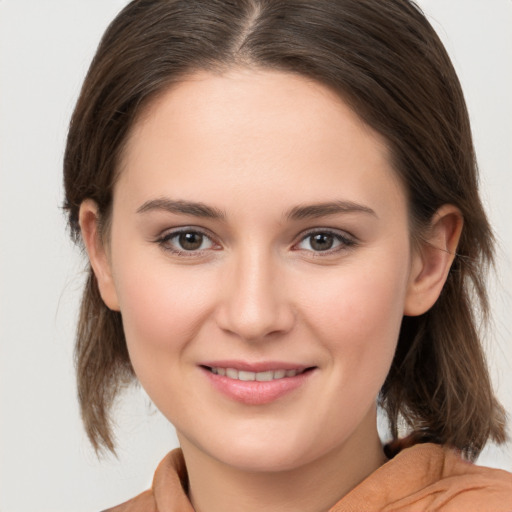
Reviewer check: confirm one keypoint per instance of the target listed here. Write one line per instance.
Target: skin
(254, 146)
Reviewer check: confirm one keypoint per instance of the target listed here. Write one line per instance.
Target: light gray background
(45, 48)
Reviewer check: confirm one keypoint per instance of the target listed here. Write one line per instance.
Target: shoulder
(168, 491)
(144, 502)
(430, 477)
(466, 486)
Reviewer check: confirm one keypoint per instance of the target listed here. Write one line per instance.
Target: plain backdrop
(46, 463)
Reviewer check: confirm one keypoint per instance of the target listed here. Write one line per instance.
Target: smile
(265, 376)
(256, 383)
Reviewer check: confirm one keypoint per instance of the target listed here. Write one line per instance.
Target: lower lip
(255, 392)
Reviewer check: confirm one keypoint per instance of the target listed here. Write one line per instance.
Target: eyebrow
(310, 211)
(313, 211)
(184, 207)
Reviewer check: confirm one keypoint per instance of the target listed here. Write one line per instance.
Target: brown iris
(321, 241)
(190, 241)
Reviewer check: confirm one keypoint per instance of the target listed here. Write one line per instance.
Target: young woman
(279, 203)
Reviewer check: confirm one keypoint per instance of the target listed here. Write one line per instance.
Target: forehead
(252, 131)
(269, 101)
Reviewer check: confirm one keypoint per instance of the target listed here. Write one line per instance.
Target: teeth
(265, 376)
(246, 375)
(231, 373)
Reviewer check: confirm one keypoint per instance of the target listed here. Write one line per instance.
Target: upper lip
(260, 366)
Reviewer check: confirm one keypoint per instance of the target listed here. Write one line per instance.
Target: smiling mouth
(247, 376)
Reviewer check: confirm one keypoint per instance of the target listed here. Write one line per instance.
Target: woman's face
(261, 261)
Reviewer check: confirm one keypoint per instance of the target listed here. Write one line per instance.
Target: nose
(255, 305)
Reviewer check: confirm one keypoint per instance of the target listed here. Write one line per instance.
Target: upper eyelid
(170, 232)
(331, 231)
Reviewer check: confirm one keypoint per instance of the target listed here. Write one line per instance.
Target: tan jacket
(422, 478)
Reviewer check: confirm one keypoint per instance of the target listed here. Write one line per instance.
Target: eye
(191, 241)
(325, 241)
(186, 241)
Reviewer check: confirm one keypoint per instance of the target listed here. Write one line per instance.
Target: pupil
(191, 241)
(322, 242)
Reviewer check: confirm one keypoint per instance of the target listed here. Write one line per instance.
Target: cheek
(357, 315)
(162, 310)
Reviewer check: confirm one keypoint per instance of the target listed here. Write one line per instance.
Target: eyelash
(345, 242)
(166, 243)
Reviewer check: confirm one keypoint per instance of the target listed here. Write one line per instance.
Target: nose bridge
(255, 303)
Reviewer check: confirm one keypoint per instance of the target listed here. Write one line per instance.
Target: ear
(432, 260)
(98, 255)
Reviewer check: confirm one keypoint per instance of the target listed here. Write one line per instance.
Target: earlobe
(96, 250)
(431, 262)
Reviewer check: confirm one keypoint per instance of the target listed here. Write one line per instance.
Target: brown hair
(386, 61)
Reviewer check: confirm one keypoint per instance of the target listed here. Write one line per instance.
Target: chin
(263, 460)
(266, 454)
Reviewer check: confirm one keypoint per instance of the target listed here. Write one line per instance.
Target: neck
(313, 487)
